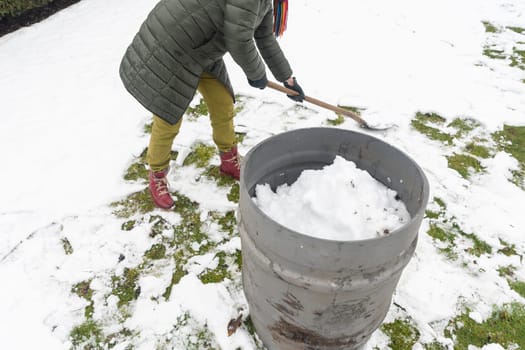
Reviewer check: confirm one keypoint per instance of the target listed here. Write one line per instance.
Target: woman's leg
(158, 158)
(161, 140)
(220, 106)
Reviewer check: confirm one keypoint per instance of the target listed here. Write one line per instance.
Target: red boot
(158, 187)
(231, 163)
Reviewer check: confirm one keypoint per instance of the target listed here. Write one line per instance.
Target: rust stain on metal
(307, 338)
(290, 306)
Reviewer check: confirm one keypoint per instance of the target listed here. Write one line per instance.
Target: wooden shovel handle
(320, 103)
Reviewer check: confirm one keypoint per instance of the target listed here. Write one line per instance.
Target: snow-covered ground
(69, 131)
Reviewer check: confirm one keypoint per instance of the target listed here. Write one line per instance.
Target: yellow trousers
(220, 107)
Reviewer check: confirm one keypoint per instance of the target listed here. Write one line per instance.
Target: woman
(179, 49)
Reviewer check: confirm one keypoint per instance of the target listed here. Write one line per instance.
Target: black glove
(261, 83)
(297, 88)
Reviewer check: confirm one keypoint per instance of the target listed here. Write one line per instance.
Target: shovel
(345, 112)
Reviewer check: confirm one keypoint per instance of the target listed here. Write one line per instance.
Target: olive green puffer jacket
(181, 39)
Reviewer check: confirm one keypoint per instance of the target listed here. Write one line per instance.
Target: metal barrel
(310, 293)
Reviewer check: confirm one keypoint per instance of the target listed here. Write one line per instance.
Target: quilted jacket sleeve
(270, 49)
(240, 20)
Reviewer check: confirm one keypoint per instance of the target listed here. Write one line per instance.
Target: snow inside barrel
(308, 291)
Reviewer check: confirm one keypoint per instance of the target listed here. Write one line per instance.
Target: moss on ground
(507, 271)
(138, 170)
(233, 195)
(464, 164)
(508, 249)
(136, 203)
(198, 110)
(200, 155)
(66, 245)
(125, 286)
(447, 231)
(83, 290)
(505, 326)
(228, 222)
(128, 225)
(212, 172)
(493, 50)
(239, 137)
(402, 333)
(87, 335)
(219, 273)
(177, 275)
(489, 27)
(442, 207)
(517, 30)
(518, 287)
(494, 53)
(156, 252)
(511, 139)
(337, 121)
(463, 126)
(478, 150)
(429, 124)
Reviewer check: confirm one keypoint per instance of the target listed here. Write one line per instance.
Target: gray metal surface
(311, 293)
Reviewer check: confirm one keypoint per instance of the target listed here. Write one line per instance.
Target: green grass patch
(239, 137)
(436, 214)
(66, 245)
(447, 232)
(507, 271)
(138, 170)
(88, 335)
(228, 222)
(136, 203)
(160, 225)
(402, 333)
(337, 121)
(148, 127)
(83, 290)
(493, 53)
(233, 195)
(517, 30)
(463, 126)
(517, 59)
(212, 172)
(125, 286)
(478, 150)
(340, 119)
(489, 27)
(198, 110)
(480, 247)
(505, 326)
(508, 249)
(200, 156)
(128, 225)
(511, 139)
(441, 234)
(428, 124)
(464, 164)
(518, 287)
(175, 279)
(218, 274)
(156, 252)
(434, 346)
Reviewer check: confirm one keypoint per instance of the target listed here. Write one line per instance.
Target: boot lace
(161, 185)
(235, 160)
